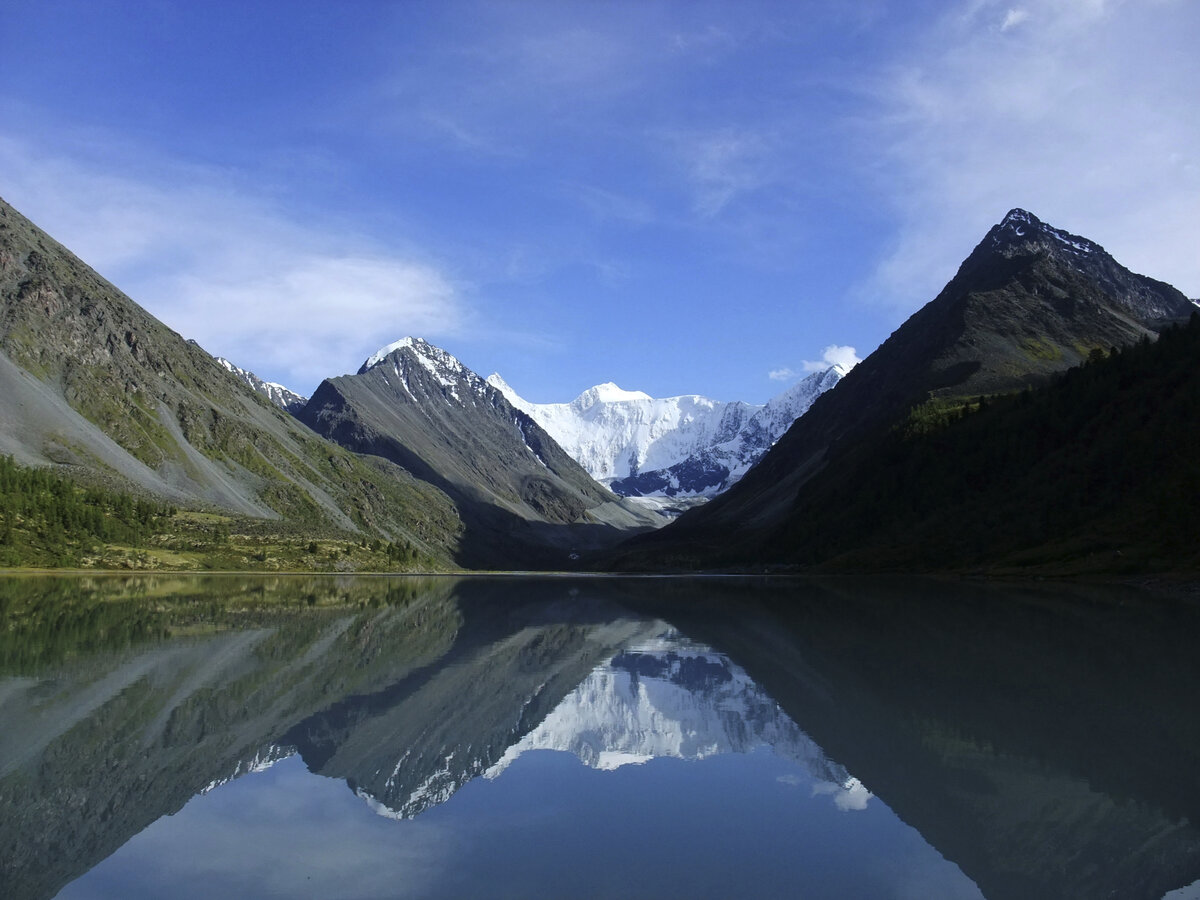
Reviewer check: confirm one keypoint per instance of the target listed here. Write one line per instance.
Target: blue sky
(681, 197)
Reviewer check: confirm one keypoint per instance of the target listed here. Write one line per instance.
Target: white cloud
(1088, 120)
(834, 355)
(292, 301)
(1013, 18)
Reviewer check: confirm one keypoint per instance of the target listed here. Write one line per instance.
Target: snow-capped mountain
(522, 499)
(674, 447)
(279, 395)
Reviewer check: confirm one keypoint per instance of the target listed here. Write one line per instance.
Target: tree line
(46, 519)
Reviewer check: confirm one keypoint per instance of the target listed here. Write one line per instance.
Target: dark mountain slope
(524, 502)
(1098, 471)
(1030, 301)
(91, 381)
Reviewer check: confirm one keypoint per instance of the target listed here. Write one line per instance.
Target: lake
(363, 737)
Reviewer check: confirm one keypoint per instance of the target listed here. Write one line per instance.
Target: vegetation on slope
(105, 388)
(47, 520)
(1099, 471)
(1025, 306)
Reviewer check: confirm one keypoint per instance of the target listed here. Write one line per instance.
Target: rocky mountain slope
(687, 446)
(523, 500)
(91, 382)
(1089, 474)
(1029, 302)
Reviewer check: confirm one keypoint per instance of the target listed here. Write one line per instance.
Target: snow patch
(383, 352)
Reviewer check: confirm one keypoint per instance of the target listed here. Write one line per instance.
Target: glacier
(685, 447)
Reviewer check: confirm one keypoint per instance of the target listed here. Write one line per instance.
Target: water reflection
(595, 737)
(671, 697)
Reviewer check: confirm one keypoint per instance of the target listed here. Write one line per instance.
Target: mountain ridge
(283, 397)
(1029, 302)
(93, 384)
(523, 499)
(685, 446)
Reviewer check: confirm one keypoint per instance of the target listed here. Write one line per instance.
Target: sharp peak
(420, 346)
(1016, 214)
(497, 381)
(1020, 224)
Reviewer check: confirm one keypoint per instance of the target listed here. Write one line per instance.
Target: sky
(679, 197)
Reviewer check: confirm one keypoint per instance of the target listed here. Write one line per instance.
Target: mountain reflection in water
(777, 737)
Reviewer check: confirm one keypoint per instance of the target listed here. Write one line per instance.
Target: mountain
(92, 383)
(285, 399)
(523, 500)
(1088, 474)
(1030, 302)
(686, 446)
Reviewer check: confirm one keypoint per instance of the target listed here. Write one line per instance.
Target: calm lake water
(504, 737)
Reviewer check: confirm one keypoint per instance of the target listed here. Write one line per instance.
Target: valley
(416, 463)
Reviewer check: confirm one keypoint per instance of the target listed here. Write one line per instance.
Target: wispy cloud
(783, 374)
(724, 166)
(1013, 18)
(508, 77)
(1079, 111)
(295, 302)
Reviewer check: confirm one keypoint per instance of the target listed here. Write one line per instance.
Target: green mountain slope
(92, 382)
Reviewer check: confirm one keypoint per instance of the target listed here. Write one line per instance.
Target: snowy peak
(384, 352)
(414, 361)
(502, 386)
(435, 359)
(1021, 227)
(606, 393)
(686, 447)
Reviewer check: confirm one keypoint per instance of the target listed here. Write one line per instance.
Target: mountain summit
(676, 447)
(92, 382)
(1030, 301)
(285, 398)
(523, 500)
